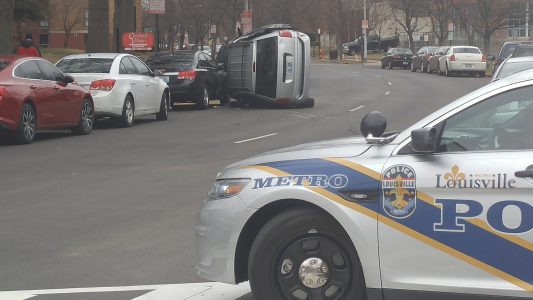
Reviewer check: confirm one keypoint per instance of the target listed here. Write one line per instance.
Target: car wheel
(430, 71)
(413, 69)
(86, 124)
(128, 112)
(25, 133)
(482, 74)
(162, 115)
(382, 65)
(303, 254)
(448, 73)
(390, 65)
(203, 101)
(424, 68)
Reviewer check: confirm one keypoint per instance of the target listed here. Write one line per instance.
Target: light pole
(365, 41)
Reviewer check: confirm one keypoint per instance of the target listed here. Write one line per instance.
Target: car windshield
(4, 63)
(403, 51)
(172, 63)
(467, 50)
(514, 67)
(432, 49)
(86, 65)
(508, 50)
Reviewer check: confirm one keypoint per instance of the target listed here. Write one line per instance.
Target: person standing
(27, 49)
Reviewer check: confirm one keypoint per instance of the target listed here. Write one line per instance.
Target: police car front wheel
(304, 254)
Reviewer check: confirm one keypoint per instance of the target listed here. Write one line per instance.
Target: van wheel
(308, 103)
(304, 254)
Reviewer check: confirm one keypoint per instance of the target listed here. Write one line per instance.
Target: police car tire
(289, 228)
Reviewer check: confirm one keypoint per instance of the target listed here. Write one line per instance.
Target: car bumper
(108, 104)
(461, 66)
(401, 63)
(185, 91)
(217, 229)
(9, 114)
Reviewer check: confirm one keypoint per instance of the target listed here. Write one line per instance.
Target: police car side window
(503, 122)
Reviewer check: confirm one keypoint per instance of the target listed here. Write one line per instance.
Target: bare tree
(440, 14)
(486, 17)
(70, 14)
(6, 23)
(378, 13)
(407, 13)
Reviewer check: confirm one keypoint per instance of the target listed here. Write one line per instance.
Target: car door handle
(32, 87)
(527, 173)
(56, 88)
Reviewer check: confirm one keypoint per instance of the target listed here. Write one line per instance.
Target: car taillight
(452, 58)
(2, 91)
(285, 33)
(188, 75)
(483, 58)
(105, 85)
(396, 57)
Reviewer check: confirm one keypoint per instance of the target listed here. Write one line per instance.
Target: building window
(520, 21)
(86, 18)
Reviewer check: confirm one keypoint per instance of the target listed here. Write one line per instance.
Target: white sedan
(121, 85)
(463, 59)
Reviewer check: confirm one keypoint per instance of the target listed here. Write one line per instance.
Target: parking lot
(117, 208)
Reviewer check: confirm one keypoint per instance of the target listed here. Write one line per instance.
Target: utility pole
(365, 46)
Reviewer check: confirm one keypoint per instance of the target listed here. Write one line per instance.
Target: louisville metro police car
(442, 210)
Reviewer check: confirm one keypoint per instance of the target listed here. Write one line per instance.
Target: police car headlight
(225, 188)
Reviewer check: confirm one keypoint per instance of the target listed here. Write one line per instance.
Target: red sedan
(35, 95)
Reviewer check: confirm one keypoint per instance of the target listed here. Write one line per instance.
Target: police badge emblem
(399, 191)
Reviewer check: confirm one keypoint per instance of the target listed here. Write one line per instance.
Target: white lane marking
(389, 83)
(256, 138)
(357, 108)
(355, 72)
(378, 76)
(387, 93)
(189, 291)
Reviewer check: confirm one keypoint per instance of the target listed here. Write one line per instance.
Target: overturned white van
(271, 64)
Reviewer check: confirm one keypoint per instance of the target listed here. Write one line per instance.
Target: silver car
(442, 210)
(513, 65)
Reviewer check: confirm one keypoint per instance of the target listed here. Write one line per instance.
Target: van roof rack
(264, 30)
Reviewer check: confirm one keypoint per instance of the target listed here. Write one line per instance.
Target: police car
(442, 210)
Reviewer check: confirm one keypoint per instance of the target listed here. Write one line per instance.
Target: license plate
(165, 79)
(405, 63)
(469, 65)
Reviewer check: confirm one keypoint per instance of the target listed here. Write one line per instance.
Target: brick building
(70, 18)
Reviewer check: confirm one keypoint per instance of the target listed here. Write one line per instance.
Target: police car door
(460, 220)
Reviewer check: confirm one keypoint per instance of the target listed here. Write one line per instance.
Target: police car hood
(345, 147)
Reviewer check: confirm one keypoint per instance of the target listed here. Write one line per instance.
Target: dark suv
(507, 49)
(190, 75)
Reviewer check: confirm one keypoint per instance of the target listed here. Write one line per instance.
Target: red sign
(138, 41)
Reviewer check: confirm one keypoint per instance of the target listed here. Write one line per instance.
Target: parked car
(35, 95)
(121, 85)
(420, 61)
(206, 49)
(506, 50)
(523, 50)
(433, 62)
(191, 76)
(463, 59)
(397, 57)
(513, 65)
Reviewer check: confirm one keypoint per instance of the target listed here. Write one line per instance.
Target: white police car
(442, 210)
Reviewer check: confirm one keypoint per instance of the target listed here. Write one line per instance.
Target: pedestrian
(26, 47)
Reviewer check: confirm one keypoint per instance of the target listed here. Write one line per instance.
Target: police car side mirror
(424, 140)
(373, 126)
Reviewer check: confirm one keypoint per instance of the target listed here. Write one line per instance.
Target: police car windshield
(86, 65)
(514, 67)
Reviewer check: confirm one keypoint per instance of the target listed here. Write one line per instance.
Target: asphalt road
(117, 208)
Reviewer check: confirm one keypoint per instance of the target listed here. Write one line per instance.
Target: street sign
(426, 37)
(156, 7)
(246, 21)
(138, 41)
(364, 24)
(450, 26)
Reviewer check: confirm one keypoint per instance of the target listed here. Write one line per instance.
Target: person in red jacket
(26, 48)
